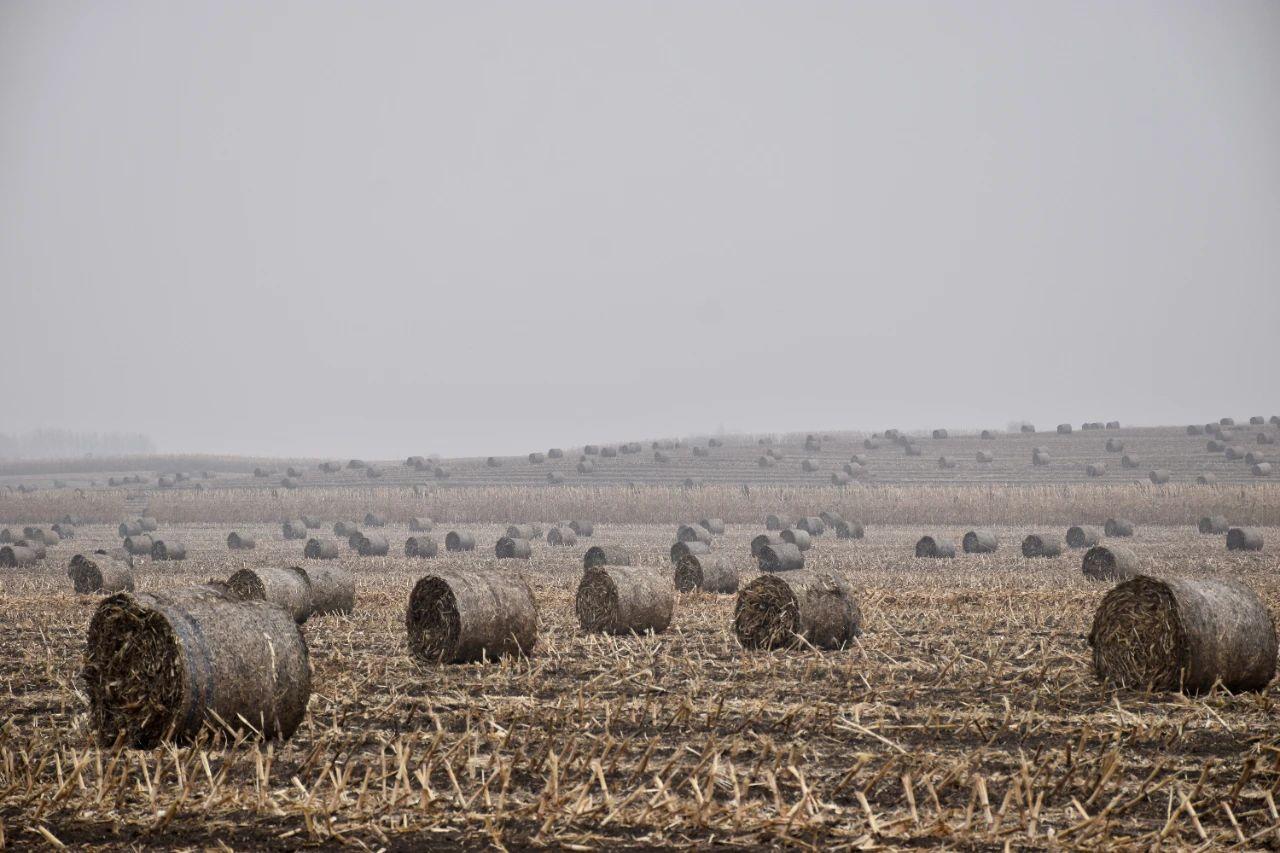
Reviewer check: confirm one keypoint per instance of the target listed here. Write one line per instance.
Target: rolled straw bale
(1027, 428)
(800, 538)
(1261, 469)
(510, 548)
(239, 542)
(162, 665)
(415, 461)
(291, 471)
(375, 519)
(870, 444)
(333, 589)
(262, 472)
(770, 538)
(1159, 476)
(353, 541)
(1226, 422)
(345, 528)
(1208, 478)
(701, 451)
(99, 572)
(980, 541)
(537, 458)
(1117, 527)
(561, 536)
(14, 556)
(1083, 536)
(289, 588)
(776, 522)
(935, 546)
(849, 529)
(1215, 446)
(1216, 524)
(715, 442)
(811, 524)
(36, 547)
(493, 462)
(423, 546)
(1113, 425)
(987, 435)
(64, 530)
(784, 557)
(1263, 438)
(660, 457)
(1195, 429)
(829, 518)
(946, 463)
(1040, 458)
(1183, 634)
(913, 450)
(130, 528)
(1244, 539)
(1109, 563)
(421, 524)
(1253, 457)
(814, 609)
(138, 546)
(693, 533)
(356, 463)
(766, 462)
(1234, 452)
(48, 537)
(714, 526)
(294, 529)
(168, 550)
(373, 545)
(939, 433)
(1129, 462)
(985, 456)
(1064, 429)
(1041, 545)
(320, 549)
(6, 536)
(608, 453)
(441, 473)
(608, 555)
(555, 453)
(1274, 420)
(555, 477)
(586, 466)
(1114, 445)
(457, 540)
(310, 522)
(625, 600)
(330, 467)
(680, 549)
(585, 529)
(809, 466)
(523, 531)
(591, 450)
(707, 572)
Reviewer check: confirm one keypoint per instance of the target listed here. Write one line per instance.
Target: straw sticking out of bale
(1109, 563)
(1039, 545)
(799, 609)
(240, 542)
(780, 557)
(168, 550)
(423, 546)
(99, 572)
(1117, 527)
(333, 589)
(288, 588)
(707, 572)
(510, 548)
(1244, 539)
(457, 540)
(163, 665)
(980, 541)
(1083, 536)
(935, 546)
(625, 600)
(1183, 634)
(319, 549)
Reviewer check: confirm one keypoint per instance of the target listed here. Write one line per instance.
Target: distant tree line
(63, 444)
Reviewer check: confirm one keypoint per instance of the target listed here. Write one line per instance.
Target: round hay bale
(693, 533)
(591, 450)
(456, 540)
(586, 466)
(680, 549)
(1117, 527)
(1041, 545)
(608, 555)
(849, 529)
(1129, 462)
(294, 529)
(1113, 425)
(625, 600)
(1064, 429)
(1114, 445)
(353, 541)
(425, 546)
(608, 453)
(15, 556)
(288, 588)
(288, 483)
(660, 457)
(138, 546)
(940, 433)
(330, 467)
(510, 548)
(980, 541)
(375, 519)
(318, 549)
(555, 453)
(1263, 438)
(493, 462)
(356, 464)
(935, 546)
(1215, 446)
(811, 524)
(946, 463)
(783, 557)
(1083, 536)
(987, 435)
(811, 609)
(1226, 422)
(1027, 428)
(1109, 563)
(373, 545)
(1159, 476)
(1235, 452)
(415, 461)
(555, 478)
(808, 466)
(800, 538)
(1183, 634)
(1244, 539)
(235, 541)
(766, 462)
(1040, 458)
(561, 536)
(37, 548)
(64, 530)
(537, 458)
(829, 518)
(310, 522)
(167, 550)
(163, 665)
(6, 536)
(345, 528)
(584, 529)
(421, 524)
(129, 528)
(99, 572)
(715, 442)
(524, 531)
(912, 450)
(706, 572)
(1208, 478)
(771, 538)
(713, 526)
(1215, 524)
(1257, 420)
(701, 451)
(1261, 469)
(985, 456)
(333, 589)
(870, 444)
(840, 478)
(777, 522)
(1195, 429)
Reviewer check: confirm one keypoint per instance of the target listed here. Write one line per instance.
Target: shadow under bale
(812, 609)
(1038, 545)
(980, 541)
(1109, 563)
(160, 666)
(932, 545)
(608, 555)
(706, 572)
(99, 572)
(289, 588)
(625, 600)
(1180, 634)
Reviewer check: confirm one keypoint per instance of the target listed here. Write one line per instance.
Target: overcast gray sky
(477, 227)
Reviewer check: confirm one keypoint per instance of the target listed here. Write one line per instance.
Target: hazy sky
(475, 227)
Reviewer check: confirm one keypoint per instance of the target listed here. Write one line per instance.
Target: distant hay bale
(940, 433)
(1083, 536)
(1244, 539)
(800, 609)
(828, 518)
(1215, 524)
(319, 549)
(870, 444)
(811, 524)
(295, 473)
(6, 536)
(913, 450)
(849, 529)
(812, 445)
(1129, 462)
(441, 473)
(373, 473)
(1208, 478)
(1040, 458)
(1253, 457)
(714, 526)
(625, 600)
(1109, 563)
(1227, 422)
(693, 533)
(356, 464)
(330, 467)
(289, 588)
(586, 466)
(138, 546)
(1263, 438)
(14, 556)
(236, 541)
(608, 555)
(415, 461)
(1114, 445)
(1234, 452)
(585, 529)
(537, 458)
(766, 462)
(509, 548)
(294, 529)
(345, 528)
(375, 519)
(1183, 634)
(99, 572)
(809, 466)
(1064, 429)
(1113, 425)
(1041, 545)
(168, 550)
(608, 453)
(892, 434)
(758, 542)
(800, 538)
(555, 478)
(524, 531)
(493, 462)
(1159, 476)
(1096, 469)
(1117, 527)
(980, 541)
(946, 463)
(715, 442)
(425, 546)
(701, 451)
(333, 589)
(129, 528)
(310, 522)
(660, 457)
(555, 453)
(1215, 446)
(1262, 469)
(985, 456)
(776, 522)
(706, 572)
(477, 615)
(421, 524)
(1195, 429)
(1027, 428)
(987, 435)
(683, 549)
(1091, 425)
(561, 536)
(163, 665)
(373, 545)
(783, 557)
(591, 450)
(690, 483)
(934, 546)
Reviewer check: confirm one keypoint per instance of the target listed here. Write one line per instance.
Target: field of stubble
(967, 716)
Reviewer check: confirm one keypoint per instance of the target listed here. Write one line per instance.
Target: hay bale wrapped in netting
(140, 545)
(814, 609)
(1195, 429)
(585, 529)
(780, 557)
(457, 540)
(238, 542)
(536, 458)
(1064, 429)
(849, 529)
(375, 519)
(1261, 469)
(424, 546)
(524, 531)
(625, 600)
(706, 572)
(373, 545)
(1216, 524)
(1096, 469)
(511, 548)
(1183, 634)
(163, 665)
(985, 456)
(609, 555)
(345, 528)
(168, 550)
(800, 538)
(980, 541)
(129, 528)
(289, 588)
(812, 525)
(777, 522)
(1114, 445)
(1117, 527)
(319, 549)
(934, 545)
(14, 556)
(310, 522)
(100, 572)
(770, 538)
(939, 433)
(294, 528)
(1109, 563)
(1207, 479)
(421, 524)
(680, 549)
(1244, 539)
(1159, 476)
(333, 589)
(1129, 462)
(1041, 545)
(693, 533)
(1083, 536)
(561, 536)
(713, 526)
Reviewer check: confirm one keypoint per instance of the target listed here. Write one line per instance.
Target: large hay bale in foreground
(608, 555)
(289, 588)
(168, 550)
(372, 545)
(1117, 527)
(333, 589)
(479, 615)
(99, 572)
(584, 529)
(815, 609)
(1109, 563)
(693, 533)
(1183, 634)
(1041, 545)
(849, 529)
(625, 600)
(140, 545)
(1244, 539)
(16, 556)
(423, 547)
(319, 549)
(777, 522)
(163, 665)
(294, 529)
(780, 557)
(457, 540)
(562, 536)
(681, 549)
(511, 548)
(800, 538)
(1159, 476)
(1083, 536)
(240, 542)
(934, 545)
(706, 572)
(758, 542)
(980, 541)
(1216, 524)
